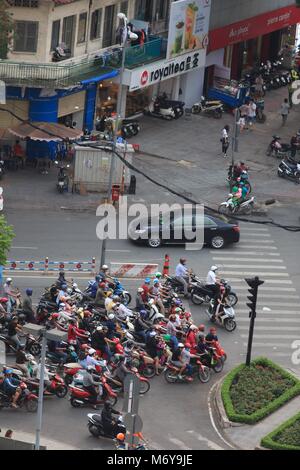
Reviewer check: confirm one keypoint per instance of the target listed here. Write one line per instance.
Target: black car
(178, 230)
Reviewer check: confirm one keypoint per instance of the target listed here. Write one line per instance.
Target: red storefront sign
(253, 27)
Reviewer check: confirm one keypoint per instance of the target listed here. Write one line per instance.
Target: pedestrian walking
(252, 113)
(284, 111)
(225, 140)
(244, 114)
(259, 84)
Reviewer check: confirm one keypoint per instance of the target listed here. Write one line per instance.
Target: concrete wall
(46, 13)
(224, 12)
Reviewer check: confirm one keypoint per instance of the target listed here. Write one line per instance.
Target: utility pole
(235, 138)
(254, 284)
(126, 35)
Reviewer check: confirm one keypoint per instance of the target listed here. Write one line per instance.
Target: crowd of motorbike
(107, 341)
(289, 166)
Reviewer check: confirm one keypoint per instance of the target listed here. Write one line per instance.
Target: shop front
(248, 42)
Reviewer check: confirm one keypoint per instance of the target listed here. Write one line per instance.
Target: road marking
(293, 337)
(270, 328)
(212, 417)
(245, 253)
(24, 248)
(248, 240)
(263, 345)
(253, 229)
(248, 246)
(256, 234)
(179, 443)
(267, 281)
(247, 266)
(261, 260)
(264, 288)
(269, 296)
(210, 444)
(118, 251)
(275, 311)
(271, 320)
(251, 273)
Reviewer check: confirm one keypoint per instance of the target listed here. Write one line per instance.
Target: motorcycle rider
(100, 341)
(74, 333)
(90, 385)
(221, 302)
(140, 326)
(154, 292)
(110, 426)
(140, 305)
(295, 141)
(11, 387)
(120, 441)
(13, 329)
(211, 337)
(100, 294)
(176, 356)
(11, 294)
(62, 294)
(172, 331)
(121, 371)
(27, 307)
(212, 282)
(21, 361)
(146, 289)
(182, 275)
(152, 349)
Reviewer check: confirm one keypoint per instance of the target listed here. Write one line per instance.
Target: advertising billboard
(188, 27)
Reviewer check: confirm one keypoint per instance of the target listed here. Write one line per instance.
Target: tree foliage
(6, 26)
(6, 237)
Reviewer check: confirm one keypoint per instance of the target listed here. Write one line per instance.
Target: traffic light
(253, 284)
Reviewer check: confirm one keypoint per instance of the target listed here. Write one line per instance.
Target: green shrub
(251, 393)
(285, 437)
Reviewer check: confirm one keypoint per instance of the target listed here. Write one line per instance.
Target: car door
(181, 228)
(210, 229)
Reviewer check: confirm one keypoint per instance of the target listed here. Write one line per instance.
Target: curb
(224, 421)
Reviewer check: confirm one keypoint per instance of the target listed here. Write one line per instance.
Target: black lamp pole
(254, 284)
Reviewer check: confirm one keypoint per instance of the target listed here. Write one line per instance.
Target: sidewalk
(185, 155)
(248, 437)
(30, 439)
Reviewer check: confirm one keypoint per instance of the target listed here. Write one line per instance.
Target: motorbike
(61, 53)
(289, 169)
(278, 149)
(80, 397)
(121, 292)
(2, 171)
(32, 345)
(26, 398)
(201, 371)
(155, 109)
(130, 128)
(200, 293)
(154, 316)
(144, 383)
(225, 319)
(62, 178)
(57, 386)
(230, 207)
(209, 108)
(95, 426)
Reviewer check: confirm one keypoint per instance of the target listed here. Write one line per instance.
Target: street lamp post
(235, 139)
(54, 335)
(125, 36)
(254, 285)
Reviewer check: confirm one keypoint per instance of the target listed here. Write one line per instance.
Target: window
(82, 28)
(109, 32)
(55, 34)
(68, 32)
(208, 222)
(124, 7)
(26, 36)
(96, 24)
(24, 3)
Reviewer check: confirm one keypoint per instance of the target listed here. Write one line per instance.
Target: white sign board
(163, 70)
(2, 92)
(188, 27)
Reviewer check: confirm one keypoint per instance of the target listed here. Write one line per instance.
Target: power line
(271, 222)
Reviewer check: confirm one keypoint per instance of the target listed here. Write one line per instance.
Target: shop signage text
(164, 70)
(253, 27)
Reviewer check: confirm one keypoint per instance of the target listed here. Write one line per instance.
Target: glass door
(109, 33)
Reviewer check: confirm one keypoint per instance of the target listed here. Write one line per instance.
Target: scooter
(200, 293)
(225, 319)
(229, 207)
(289, 169)
(277, 149)
(95, 426)
(156, 110)
(26, 398)
(203, 373)
(57, 386)
(122, 293)
(209, 108)
(130, 128)
(80, 397)
(62, 179)
(32, 345)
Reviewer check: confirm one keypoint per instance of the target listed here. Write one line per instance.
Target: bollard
(46, 265)
(93, 265)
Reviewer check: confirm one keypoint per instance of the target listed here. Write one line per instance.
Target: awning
(47, 132)
(4, 134)
(100, 78)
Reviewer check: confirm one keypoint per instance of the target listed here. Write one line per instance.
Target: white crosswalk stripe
(278, 309)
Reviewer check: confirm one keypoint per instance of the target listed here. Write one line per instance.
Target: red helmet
(102, 284)
(116, 340)
(55, 316)
(4, 300)
(86, 313)
(201, 327)
(83, 347)
(187, 345)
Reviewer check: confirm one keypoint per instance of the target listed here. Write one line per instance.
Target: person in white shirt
(182, 275)
(225, 140)
(211, 280)
(252, 112)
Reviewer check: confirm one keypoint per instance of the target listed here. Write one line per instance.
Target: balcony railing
(72, 72)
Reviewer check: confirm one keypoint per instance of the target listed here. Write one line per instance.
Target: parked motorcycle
(229, 207)
(96, 429)
(289, 169)
(209, 108)
(62, 178)
(130, 128)
(225, 319)
(277, 148)
(165, 109)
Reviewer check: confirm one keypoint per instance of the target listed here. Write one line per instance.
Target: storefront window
(109, 26)
(96, 24)
(82, 28)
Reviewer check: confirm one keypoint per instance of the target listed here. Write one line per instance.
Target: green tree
(6, 26)
(6, 237)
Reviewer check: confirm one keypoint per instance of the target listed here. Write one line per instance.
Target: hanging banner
(188, 27)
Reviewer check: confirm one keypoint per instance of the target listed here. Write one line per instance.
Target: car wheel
(154, 242)
(218, 242)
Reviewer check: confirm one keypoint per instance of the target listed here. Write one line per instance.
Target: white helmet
(9, 279)
(99, 328)
(214, 268)
(92, 352)
(104, 267)
(151, 302)
(111, 316)
(181, 345)
(140, 290)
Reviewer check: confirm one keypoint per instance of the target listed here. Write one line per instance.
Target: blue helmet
(143, 313)
(156, 281)
(29, 291)
(147, 280)
(8, 371)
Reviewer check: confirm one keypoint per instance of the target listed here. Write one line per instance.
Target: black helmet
(107, 405)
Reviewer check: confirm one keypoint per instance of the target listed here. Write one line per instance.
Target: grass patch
(251, 393)
(285, 437)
